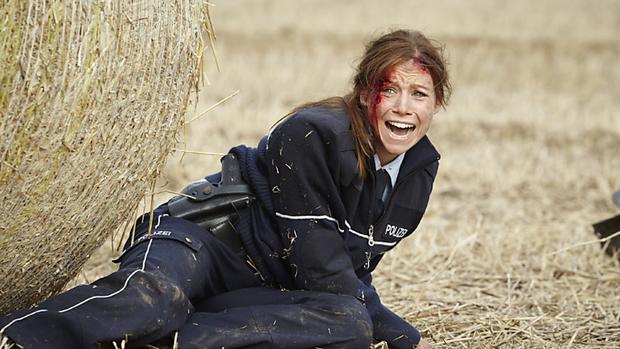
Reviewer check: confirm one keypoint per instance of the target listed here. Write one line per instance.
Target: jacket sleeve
(387, 326)
(302, 166)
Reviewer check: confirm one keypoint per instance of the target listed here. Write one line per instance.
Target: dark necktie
(382, 184)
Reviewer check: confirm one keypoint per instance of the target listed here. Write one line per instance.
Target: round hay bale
(92, 96)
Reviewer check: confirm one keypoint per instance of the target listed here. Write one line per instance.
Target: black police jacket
(313, 228)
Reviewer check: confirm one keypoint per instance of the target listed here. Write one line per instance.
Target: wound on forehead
(417, 60)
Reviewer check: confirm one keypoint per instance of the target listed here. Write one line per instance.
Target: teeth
(400, 124)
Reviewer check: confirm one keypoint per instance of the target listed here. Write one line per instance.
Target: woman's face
(404, 106)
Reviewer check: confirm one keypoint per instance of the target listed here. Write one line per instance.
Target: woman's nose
(403, 105)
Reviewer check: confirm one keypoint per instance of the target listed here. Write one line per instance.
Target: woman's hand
(424, 344)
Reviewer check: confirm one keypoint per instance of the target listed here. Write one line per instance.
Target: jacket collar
(419, 156)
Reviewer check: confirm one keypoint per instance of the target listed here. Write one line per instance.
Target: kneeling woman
(335, 185)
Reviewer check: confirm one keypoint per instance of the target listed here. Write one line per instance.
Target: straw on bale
(92, 96)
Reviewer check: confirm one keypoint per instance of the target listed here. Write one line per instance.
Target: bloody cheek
(376, 98)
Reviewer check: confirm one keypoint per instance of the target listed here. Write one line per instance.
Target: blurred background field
(530, 143)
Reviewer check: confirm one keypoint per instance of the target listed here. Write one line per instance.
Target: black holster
(215, 206)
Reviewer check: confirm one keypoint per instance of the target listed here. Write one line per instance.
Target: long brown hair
(380, 57)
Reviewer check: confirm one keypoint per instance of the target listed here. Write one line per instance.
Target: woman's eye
(419, 94)
(389, 90)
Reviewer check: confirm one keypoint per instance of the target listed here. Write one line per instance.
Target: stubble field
(530, 148)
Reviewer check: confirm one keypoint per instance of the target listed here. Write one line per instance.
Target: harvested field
(505, 256)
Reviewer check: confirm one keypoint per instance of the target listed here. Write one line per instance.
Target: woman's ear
(364, 99)
(437, 107)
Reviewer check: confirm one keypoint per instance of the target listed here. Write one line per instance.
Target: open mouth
(400, 128)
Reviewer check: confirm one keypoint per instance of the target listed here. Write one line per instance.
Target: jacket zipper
(371, 238)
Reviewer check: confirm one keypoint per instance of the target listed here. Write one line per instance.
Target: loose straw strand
(213, 106)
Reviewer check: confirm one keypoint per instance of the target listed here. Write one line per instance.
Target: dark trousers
(181, 281)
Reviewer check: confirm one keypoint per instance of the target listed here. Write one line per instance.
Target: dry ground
(530, 147)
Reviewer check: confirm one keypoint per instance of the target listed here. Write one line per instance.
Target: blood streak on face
(375, 97)
(375, 100)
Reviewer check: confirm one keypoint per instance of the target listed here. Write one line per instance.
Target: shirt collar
(392, 168)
